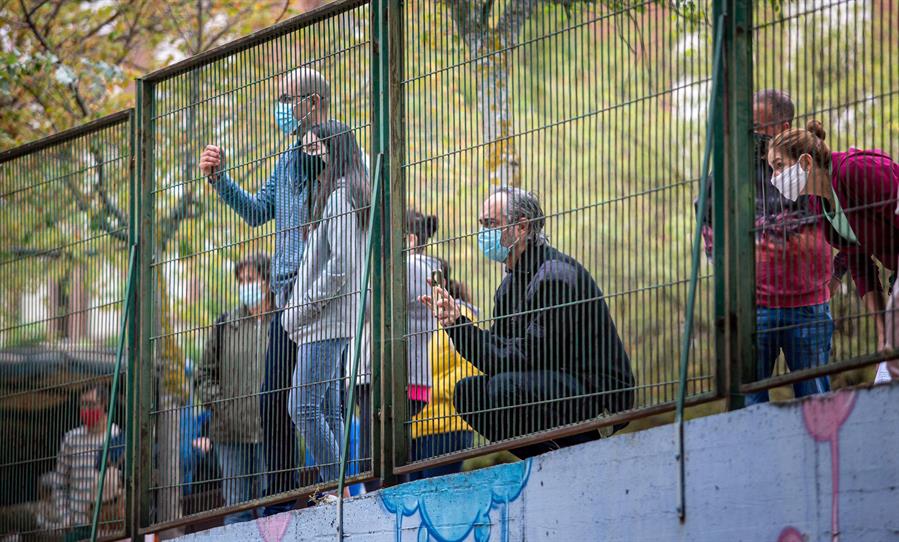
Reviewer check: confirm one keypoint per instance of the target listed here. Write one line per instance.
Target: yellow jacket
(447, 368)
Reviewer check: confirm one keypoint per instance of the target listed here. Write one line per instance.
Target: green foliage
(66, 62)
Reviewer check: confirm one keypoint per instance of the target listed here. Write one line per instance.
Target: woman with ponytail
(321, 314)
(853, 195)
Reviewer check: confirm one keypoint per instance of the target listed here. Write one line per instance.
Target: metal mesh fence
(826, 262)
(550, 161)
(66, 211)
(564, 297)
(260, 191)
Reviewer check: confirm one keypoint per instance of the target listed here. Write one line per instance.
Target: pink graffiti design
(272, 528)
(824, 415)
(790, 534)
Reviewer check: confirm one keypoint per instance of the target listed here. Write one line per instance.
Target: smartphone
(436, 281)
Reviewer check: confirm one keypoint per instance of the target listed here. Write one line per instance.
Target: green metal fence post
(113, 394)
(133, 339)
(381, 394)
(712, 133)
(719, 213)
(739, 170)
(142, 467)
(396, 202)
(357, 346)
(377, 270)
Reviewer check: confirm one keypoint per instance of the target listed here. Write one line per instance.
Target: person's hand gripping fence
(212, 162)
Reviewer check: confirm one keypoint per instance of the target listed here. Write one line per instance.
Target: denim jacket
(284, 197)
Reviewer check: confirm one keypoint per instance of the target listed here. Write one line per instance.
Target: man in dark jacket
(552, 356)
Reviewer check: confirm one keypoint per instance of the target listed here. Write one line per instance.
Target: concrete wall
(779, 473)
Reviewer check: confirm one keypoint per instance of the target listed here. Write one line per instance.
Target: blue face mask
(490, 245)
(285, 119)
(250, 294)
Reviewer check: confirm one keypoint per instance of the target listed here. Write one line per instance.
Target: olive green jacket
(230, 375)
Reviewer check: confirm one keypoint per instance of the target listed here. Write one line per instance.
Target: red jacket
(867, 184)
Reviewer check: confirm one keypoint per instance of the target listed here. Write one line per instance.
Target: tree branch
(178, 28)
(283, 11)
(83, 205)
(132, 34)
(36, 96)
(47, 47)
(187, 207)
(470, 23)
(36, 7)
(53, 14)
(701, 18)
(227, 28)
(100, 186)
(513, 18)
(200, 28)
(93, 31)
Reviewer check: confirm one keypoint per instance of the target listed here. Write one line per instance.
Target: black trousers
(278, 433)
(513, 404)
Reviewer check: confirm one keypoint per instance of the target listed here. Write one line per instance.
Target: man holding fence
(552, 355)
(303, 101)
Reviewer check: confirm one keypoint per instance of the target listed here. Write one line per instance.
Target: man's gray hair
(780, 105)
(524, 205)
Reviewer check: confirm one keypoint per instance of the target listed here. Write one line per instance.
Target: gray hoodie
(420, 326)
(326, 294)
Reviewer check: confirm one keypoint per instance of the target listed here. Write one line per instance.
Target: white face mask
(791, 181)
(250, 294)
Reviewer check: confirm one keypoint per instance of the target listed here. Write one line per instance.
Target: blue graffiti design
(453, 507)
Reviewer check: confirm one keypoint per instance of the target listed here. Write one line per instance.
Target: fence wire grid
(826, 262)
(534, 247)
(594, 116)
(256, 265)
(66, 212)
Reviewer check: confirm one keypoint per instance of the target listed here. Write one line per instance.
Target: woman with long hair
(853, 195)
(321, 314)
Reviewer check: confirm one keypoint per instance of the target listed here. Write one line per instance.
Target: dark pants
(278, 433)
(439, 444)
(515, 404)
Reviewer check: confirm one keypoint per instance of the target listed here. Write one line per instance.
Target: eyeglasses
(288, 98)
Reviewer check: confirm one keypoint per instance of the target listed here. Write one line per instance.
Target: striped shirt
(77, 474)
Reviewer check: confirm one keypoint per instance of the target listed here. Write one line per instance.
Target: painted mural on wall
(823, 416)
(459, 507)
(490, 504)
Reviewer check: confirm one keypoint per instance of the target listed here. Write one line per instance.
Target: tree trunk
(502, 159)
(490, 49)
(78, 302)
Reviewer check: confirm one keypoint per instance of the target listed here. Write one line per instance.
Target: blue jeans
(242, 464)
(314, 402)
(439, 444)
(804, 334)
(278, 434)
